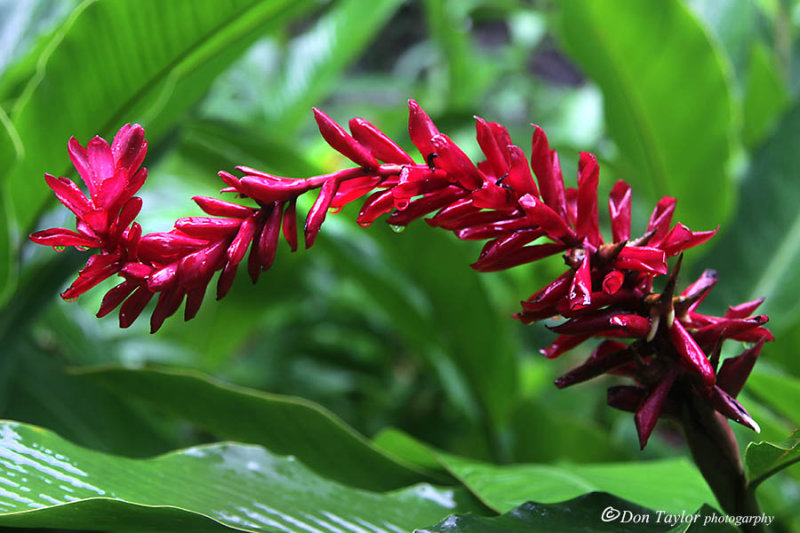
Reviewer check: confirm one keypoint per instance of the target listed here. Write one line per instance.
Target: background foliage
(380, 361)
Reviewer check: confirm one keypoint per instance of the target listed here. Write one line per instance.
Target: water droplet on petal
(397, 229)
(59, 249)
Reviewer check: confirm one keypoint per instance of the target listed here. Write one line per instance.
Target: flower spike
(660, 341)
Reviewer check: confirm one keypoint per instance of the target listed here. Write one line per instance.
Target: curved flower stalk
(660, 340)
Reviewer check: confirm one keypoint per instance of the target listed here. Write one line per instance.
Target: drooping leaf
(283, 424)
(49, 482)
(596, 511)
(667, 100)
(765, 459)
(503, 487)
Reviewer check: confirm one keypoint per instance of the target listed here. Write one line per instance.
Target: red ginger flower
(606, 292)
(104, 217)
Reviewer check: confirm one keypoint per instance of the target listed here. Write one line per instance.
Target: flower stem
(716, 454)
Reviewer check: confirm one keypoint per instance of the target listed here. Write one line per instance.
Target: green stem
(716, 454)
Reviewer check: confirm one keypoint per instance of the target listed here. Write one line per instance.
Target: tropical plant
(266, 395)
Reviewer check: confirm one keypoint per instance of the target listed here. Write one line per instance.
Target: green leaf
(765, 459)
(283, 424)
(502, 488)
(402, 445)
(667, 100)
(80, 410)
(773, 426)
(49, 482)
(765, 95)
(22, 26)
(758, 254)
(786, 332)
(573, 439)
(596, 511)
(449, 22)
(680, 486)
(39, 281)
(8, 271)
(316, 59)
(735, 25)
(452, 317)
(115, 62)
(779, 390)
(209, 145)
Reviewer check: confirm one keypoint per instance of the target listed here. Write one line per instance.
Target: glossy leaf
(635, 52)
(765, 459)
(283, 424)
(49, 482)
(504, 487)
(596, 511)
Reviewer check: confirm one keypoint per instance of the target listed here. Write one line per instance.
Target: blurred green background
(695, 99)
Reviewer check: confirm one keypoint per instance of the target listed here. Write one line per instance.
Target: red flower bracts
(104, 217)
(668, 348)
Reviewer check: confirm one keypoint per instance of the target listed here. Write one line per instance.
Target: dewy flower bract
(521, 207)
(104, 217)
